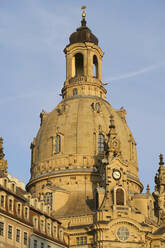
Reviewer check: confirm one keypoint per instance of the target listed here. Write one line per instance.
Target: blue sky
(33, 34)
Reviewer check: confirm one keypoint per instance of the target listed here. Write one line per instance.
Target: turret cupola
(83, 64)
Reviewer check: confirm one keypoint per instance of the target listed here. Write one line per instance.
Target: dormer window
(55, 231)
(42, 225)
(5, 183)
(10, 205)
(48, 228)
(101, 141)
(19, 209)
(13, 187)
(61, 234)
(35, 222)
(26, 212)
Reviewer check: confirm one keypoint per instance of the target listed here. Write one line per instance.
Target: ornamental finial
(1, 148)
(83, 21)
(161, 159)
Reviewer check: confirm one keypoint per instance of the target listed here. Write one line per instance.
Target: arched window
(79, 64)
(97, 200)
(75, 92)
(19, 209)
(26, 212)
(119, 197)
(55, 231)
(95, 66)
(58, 143)
(35, 222)
(101, 142)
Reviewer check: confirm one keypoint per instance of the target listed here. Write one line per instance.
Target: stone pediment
(117, 161)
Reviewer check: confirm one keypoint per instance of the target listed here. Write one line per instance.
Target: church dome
(76, 138)
(79, 121)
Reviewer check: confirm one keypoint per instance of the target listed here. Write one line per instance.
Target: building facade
(84, 162)
(25, 221)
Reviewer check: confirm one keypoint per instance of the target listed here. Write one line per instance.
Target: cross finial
(83, 21)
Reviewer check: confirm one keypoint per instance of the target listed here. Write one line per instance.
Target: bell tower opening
(79, 65)
(95, 67)
(119, 197)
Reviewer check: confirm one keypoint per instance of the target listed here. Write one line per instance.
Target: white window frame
(10, 233)
(25, 239)
(17, 229)
(2, 229)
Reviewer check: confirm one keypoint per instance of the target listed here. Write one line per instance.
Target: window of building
(35, 222)
(75, 92)
(42, 225)
(1, 228)
(101, 142)
(61, 234)
(25, 238)
(42, 245)
(10, 205)
(79, 64)
(13, 187)
(5, 183)
(49, 246)
(58, 144)
(55, 231)
(19, 209)
(2, 201)
(10, 232)
(95, 66)
(48, 198)
(48, 228)
(18, 232)
(26, 212)
(119, 197)
(81, 240)
(35, 243)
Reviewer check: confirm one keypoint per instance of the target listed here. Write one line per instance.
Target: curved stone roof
(83, 34)
(79, 120)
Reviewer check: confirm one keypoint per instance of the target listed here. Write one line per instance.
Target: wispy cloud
(137, 73)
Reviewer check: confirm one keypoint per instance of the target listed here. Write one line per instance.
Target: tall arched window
(75, 92)
(119, 197)
(101, 142)
(79, 64)
(58, 143)
(95, 66)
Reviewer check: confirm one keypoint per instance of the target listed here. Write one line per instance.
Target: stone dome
(79, 121)
(83, 34)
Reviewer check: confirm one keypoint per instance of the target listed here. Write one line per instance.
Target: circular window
(123, 233)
